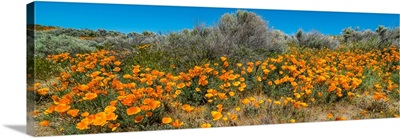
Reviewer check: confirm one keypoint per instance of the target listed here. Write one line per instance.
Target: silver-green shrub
(46, 44)
(314, 39)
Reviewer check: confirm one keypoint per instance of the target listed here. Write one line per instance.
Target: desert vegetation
(237, 72)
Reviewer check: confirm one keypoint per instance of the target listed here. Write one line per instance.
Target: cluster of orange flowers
(137, 92)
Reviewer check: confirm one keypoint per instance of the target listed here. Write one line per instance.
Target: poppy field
(99, 93)
(120, 87)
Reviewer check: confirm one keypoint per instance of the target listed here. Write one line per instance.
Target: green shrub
(46, 44)
(314, 39)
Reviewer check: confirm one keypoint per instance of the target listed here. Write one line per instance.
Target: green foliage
(46, 44)
(44, 69)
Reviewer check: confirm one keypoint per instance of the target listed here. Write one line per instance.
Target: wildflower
(35, 112)
(245, 101)
(49, 110)
(329, 116)
(73, 112)
(100, 119)
(85, 114)
(351, 95)
(187, 108)
(154, 104)
(138, 119)
(216, 115)
(44, 123)
(340, 118)
(117, 63)
(205, 125)
(149, 114)
(231, 94)
(111, 116)
(133, 110)
(258, 78)
(110, 109)
(176, 123)
(90, 96)
(223, 58)
(127, 76)
(233, 117)
(166, 120)
(61, 108)
(297, 95)
(292, 121)
(180, 85)
(320, 94)
(113, 126)
(43, 91)
(277, 102)
(83, 124)
(116, 69)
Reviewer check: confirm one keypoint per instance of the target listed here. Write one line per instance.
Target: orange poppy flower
(85, 114)
(237, 108)
(111, 116)
(117, 63)
(35, 113)
(187, 108)
(113, 103)
(100, 119)
(36, 85)
(205, 125)
(145, 107)
(154, 104)
(43, 91)
(44, 123)
(133, 110)
(73, 112)
(138, 119)
(180, 85)
(90, 96)
(223, 58)
(166, 120)
(61, 108)
(245, 101)
(116, 69)
(49, 110)
(216, 115)
(84, 124)
(127, 76)
(110, 109)
(233, 117)
(329, 116)
(113, 126)
(340, 118)
(149, 114)
(176, 123)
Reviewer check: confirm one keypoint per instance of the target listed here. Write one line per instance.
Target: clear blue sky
(138, 18)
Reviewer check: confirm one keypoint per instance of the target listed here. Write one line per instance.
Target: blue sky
(138, 18)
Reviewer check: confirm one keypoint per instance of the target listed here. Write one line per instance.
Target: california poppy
(166, 120)
(177, 123)
(113, 126)
(90, 96)
(138, 119)
(216, 115)
(73, 112)
(44, 123)
(133, 110)
(205, 125)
